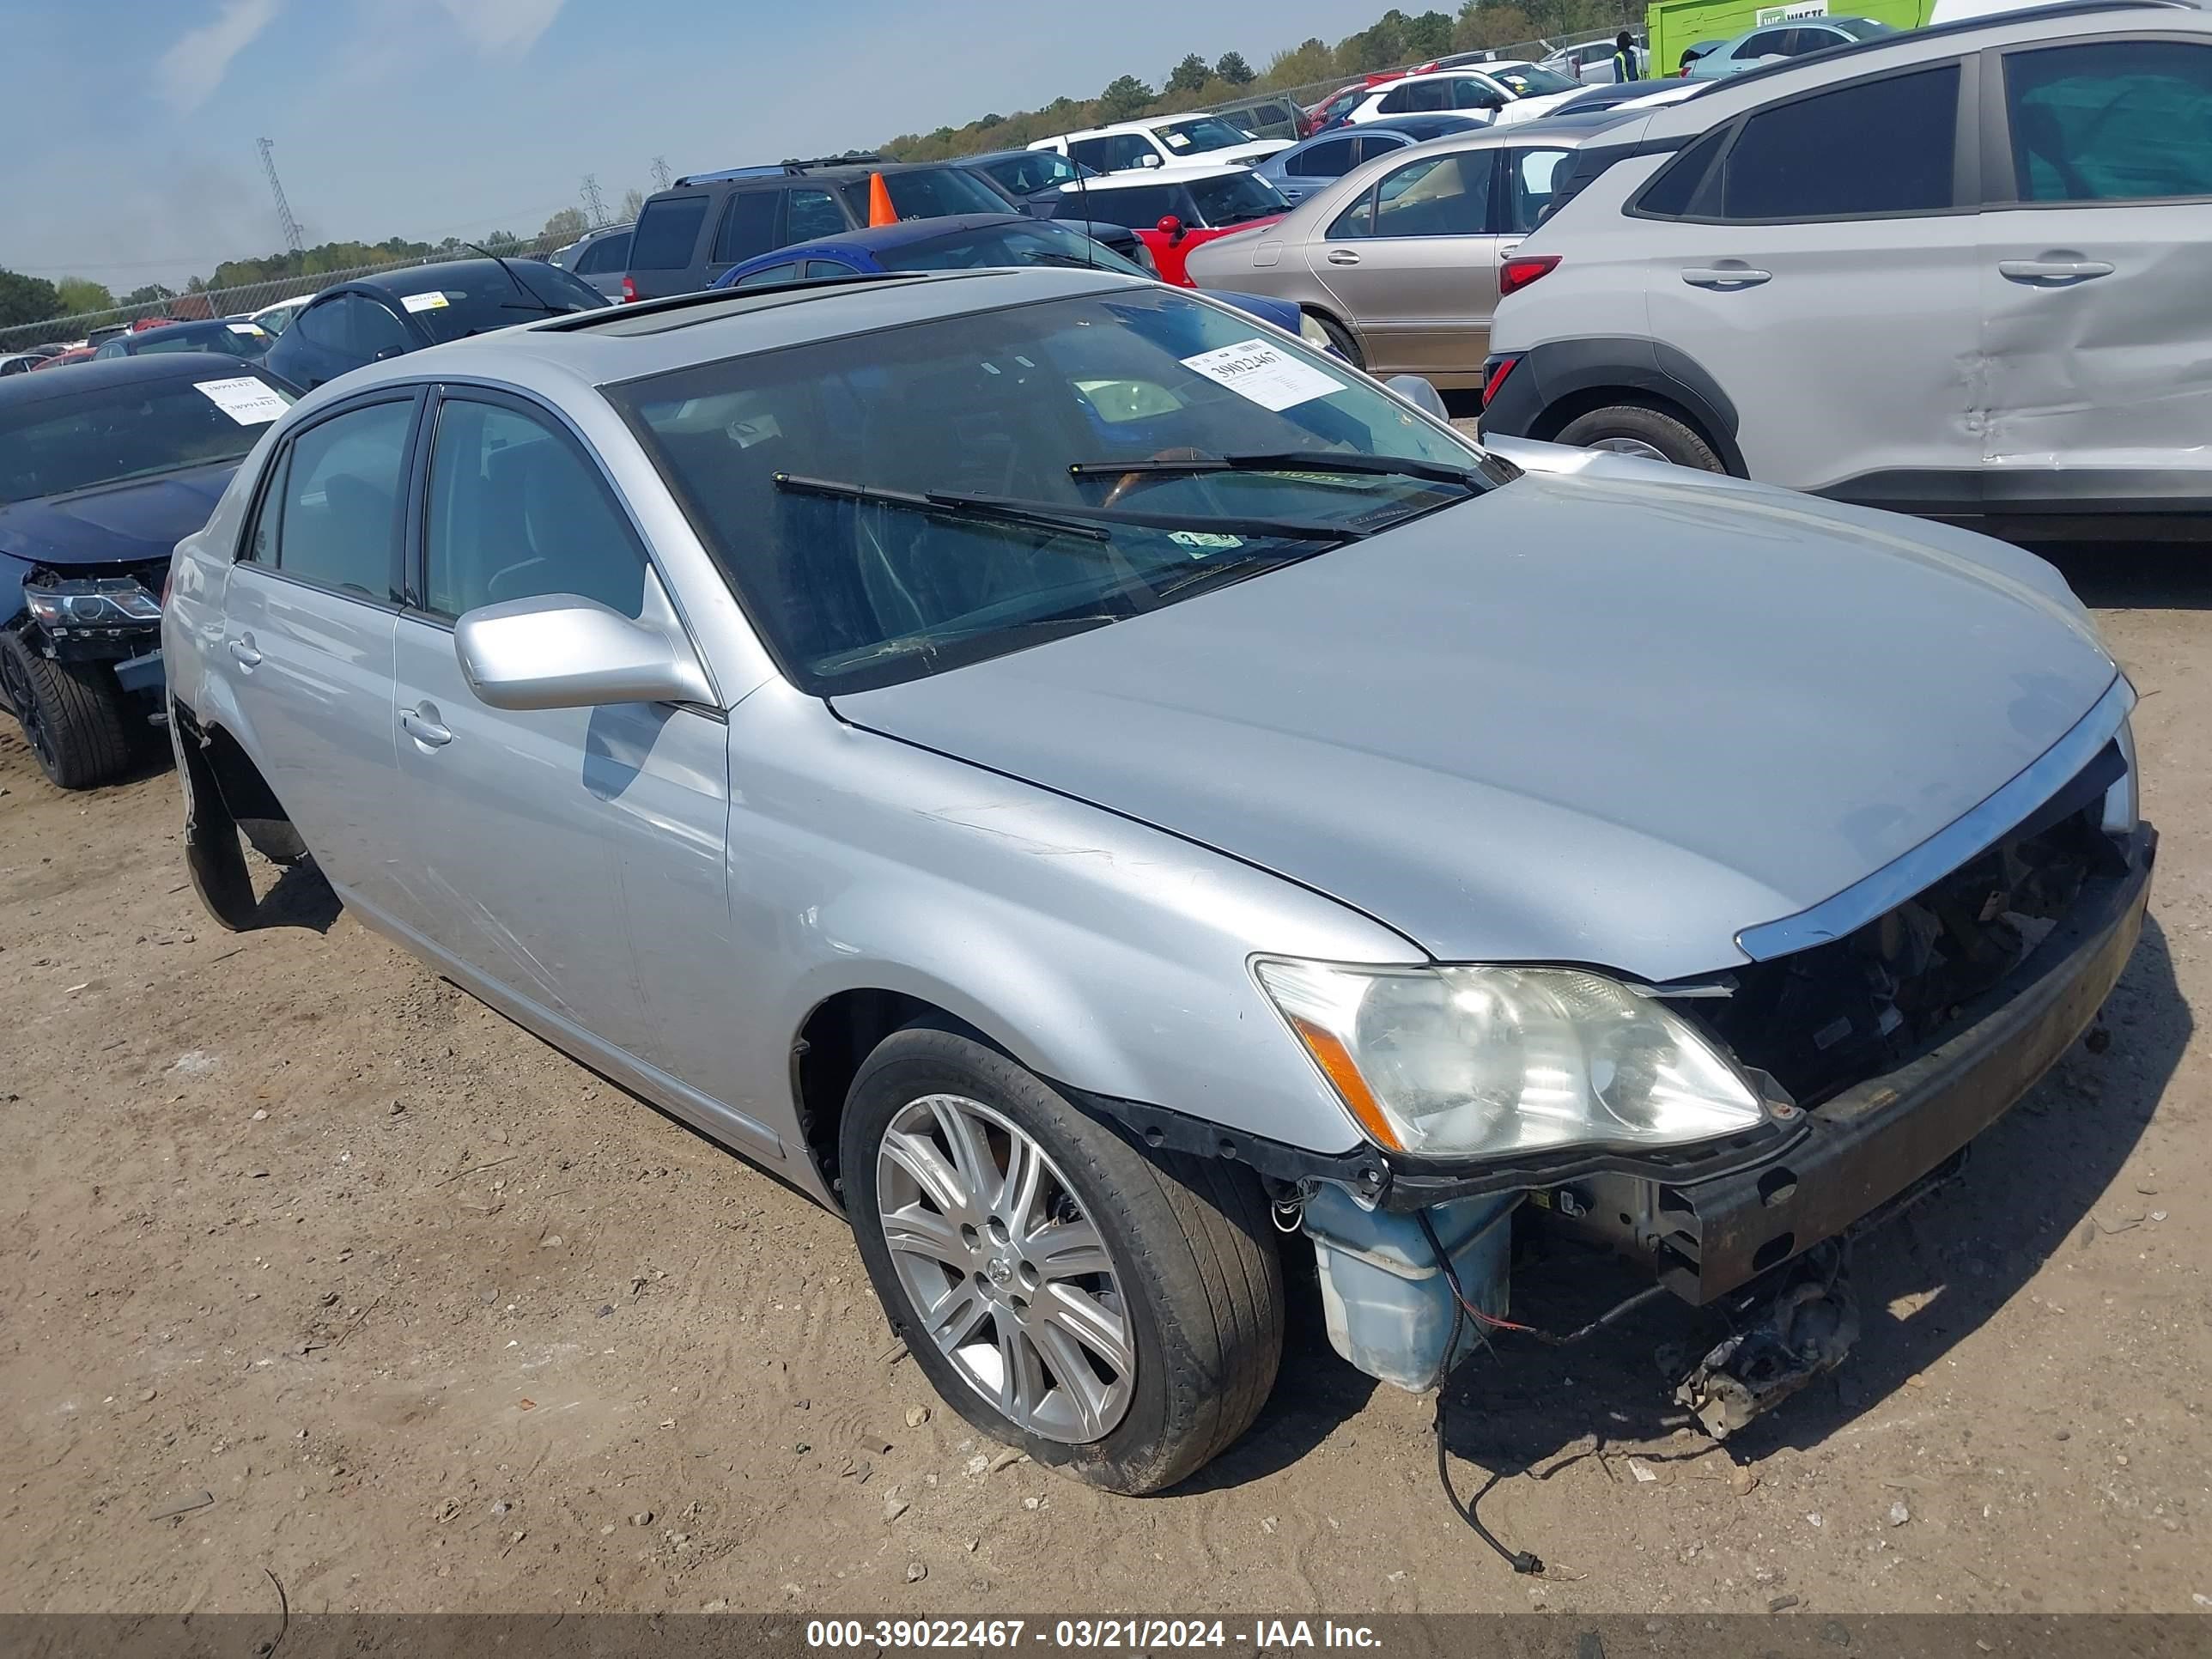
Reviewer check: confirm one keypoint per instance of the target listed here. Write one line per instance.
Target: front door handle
(242, 649)
(1725, 276)
(2052, 273)
(422, 725)
(1342, 256)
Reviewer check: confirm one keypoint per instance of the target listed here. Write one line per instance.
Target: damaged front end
(1882, 1054)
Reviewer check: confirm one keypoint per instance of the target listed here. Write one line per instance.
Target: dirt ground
(416, 1314)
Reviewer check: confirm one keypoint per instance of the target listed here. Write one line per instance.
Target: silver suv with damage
(1124, 807)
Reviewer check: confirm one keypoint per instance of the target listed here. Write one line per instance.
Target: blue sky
(130, 125)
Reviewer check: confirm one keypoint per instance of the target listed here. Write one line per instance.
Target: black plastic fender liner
(214, 858)
(1546, 374)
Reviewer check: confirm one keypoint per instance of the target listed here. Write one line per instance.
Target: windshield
(57, 445)
(1033, 170)
(1034, 242)
(1236, 199)
(929, 193)
(998, 410)
(1530, 81)
(492, 300)
(1201, 133)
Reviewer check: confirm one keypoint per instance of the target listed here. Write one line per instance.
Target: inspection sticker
(433, 300)
(246, 400)
(1270, 377)
(245, 328)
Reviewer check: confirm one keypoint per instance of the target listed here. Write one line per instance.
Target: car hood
(1611, 720)
(130, 523)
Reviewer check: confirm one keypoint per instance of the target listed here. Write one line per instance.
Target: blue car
(974, 241)
(1301, 170)
(102, 471)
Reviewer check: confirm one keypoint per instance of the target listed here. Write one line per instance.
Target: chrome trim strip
(1948, 847)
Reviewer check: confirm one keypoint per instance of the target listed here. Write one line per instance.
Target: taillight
(1519, 271)
(1500, 369)
(629, 291)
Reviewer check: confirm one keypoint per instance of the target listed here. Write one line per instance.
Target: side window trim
(1968, 117)
(280, 468)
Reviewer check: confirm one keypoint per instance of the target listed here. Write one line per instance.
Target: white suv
(1961, 271)
(1162, 141)
(1510, 91)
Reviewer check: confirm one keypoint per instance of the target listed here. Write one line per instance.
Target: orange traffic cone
(880, 210)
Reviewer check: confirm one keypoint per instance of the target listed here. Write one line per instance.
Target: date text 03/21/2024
(1265, 1635)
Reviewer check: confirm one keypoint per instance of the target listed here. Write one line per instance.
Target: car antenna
(1083, 194)
(512, 277)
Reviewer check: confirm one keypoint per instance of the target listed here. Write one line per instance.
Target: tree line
(1394, 39)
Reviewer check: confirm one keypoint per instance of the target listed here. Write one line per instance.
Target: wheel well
(837, 1037)
(1606, 397)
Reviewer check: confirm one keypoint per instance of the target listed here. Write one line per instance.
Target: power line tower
(593, 205)
(661, 173)
(292, 237)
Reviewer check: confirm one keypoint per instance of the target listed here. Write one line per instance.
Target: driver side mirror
(1419, 392)
(563, 651)
(1169, 227)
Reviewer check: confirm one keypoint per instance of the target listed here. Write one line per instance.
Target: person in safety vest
(1627, 62)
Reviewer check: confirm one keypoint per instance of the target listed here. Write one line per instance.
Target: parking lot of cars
(1015, 616)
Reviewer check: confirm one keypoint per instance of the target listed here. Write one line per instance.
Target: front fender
(1102, 953)
(13, 573)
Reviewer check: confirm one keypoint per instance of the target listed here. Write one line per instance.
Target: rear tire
(1634, 429)
(1173, 1267)
(1341, 337)
(71, 714)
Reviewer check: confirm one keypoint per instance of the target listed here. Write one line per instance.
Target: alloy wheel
(1007, 1275)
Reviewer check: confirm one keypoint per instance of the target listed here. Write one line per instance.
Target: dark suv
(703, 224)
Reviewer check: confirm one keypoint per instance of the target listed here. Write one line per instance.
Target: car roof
(1723, 99)
(416, 279)
(878, 238)
(93, 375)
(567, 356)
(1197, 173)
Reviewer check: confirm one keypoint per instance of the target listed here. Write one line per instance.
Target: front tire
(1115, 1314)
(1347, 347)
(71, 714)
(1634, 429)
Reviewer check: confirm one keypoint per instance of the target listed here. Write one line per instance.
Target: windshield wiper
(1295, 460)
(1086, 521)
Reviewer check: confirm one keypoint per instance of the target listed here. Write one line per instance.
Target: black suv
(702, 225)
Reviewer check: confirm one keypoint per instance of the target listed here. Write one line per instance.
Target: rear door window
(747, 226)
(1531, 177)
(2110, 121)
(1880, 147)
(605, 256)
(667, 232)
(1090, 152)
(1367, 146)
(338, 517)
(786, 272)
(1437, 196)
(820, 269)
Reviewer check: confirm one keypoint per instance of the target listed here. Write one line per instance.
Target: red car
(76, 355)
(1175, 210)
(1339, 104)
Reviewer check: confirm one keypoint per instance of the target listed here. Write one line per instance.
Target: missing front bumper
(1869, 1144)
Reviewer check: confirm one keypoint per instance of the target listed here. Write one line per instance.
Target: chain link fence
(248, 298)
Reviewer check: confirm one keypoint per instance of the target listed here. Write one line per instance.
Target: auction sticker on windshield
(433, 300)
(246, 400)
(1270, 377)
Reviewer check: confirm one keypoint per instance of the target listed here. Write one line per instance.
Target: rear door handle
(1725, 276)
(1342, 256)
(2052, 273)
(242, 649)
(422, 725)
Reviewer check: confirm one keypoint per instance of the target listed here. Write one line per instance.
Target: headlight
(109, 602)
(1311, 331)
(1463, 1062)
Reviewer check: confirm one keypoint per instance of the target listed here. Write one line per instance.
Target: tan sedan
(1399, 260)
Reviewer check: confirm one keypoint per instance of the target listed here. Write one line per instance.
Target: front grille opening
(1823, 1020)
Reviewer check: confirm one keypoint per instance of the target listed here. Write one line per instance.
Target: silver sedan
(1399, 260)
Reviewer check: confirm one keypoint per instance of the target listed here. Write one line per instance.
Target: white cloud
(194, 67)
(503, 25)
